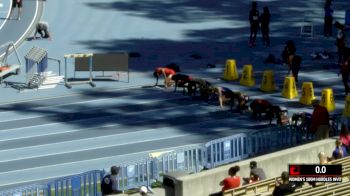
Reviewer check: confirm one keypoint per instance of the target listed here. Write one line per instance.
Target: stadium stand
(266, 187)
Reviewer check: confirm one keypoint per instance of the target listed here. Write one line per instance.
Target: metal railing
(134, 174)
(225, 150)
(81, 184)
(30, 190)
(192, 158)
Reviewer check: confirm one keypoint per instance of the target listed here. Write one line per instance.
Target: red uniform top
(167, 71)
(345, 139)
(231, 182)
(320, 116)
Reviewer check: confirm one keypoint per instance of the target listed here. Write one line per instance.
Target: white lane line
(95, 143)
(56, 132)
(26, 150)
(64, 166)
(88, 109)
(87, 101)
(70, 95)
(329, 78)
(31, 23)
(7, 16)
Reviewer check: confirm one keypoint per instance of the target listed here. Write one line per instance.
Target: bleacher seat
(266, 187)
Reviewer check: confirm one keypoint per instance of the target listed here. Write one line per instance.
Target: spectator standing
(254, 23)
(345, 72)
(284, 187)
(340, 42)
(109, 184)
(43, 29)
(19, 5)
(288, 54)
(265, 29)
(319, 121)
(328, 18)
(339, 151)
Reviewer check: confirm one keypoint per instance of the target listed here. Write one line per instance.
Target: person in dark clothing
(303, 121)
(284, 187)
(288, 54)
(201, 84)
(328, 18)
(227, 95)
(109, 184)
(181, 80)
(43, 29)
(340, 42)
(224, 94)
(254, 24)
(262, 106)
(265, 22)
(258, 107)
(242, 101)
(19, 5)
(296, 62)
(345, 72)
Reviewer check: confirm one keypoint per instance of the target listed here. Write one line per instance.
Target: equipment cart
(7, 69)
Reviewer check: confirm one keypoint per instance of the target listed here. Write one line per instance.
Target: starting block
(307, 93)
(247, 78)
(268, 82)
(327, 99)
(230, 72)
(289, 88)
(346, 111)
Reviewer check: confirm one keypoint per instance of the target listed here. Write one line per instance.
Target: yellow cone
(346, 111)
(289, 88)
(268, 82)
(307, 93)
(230, 72)
(247, 78)
(327, 99)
